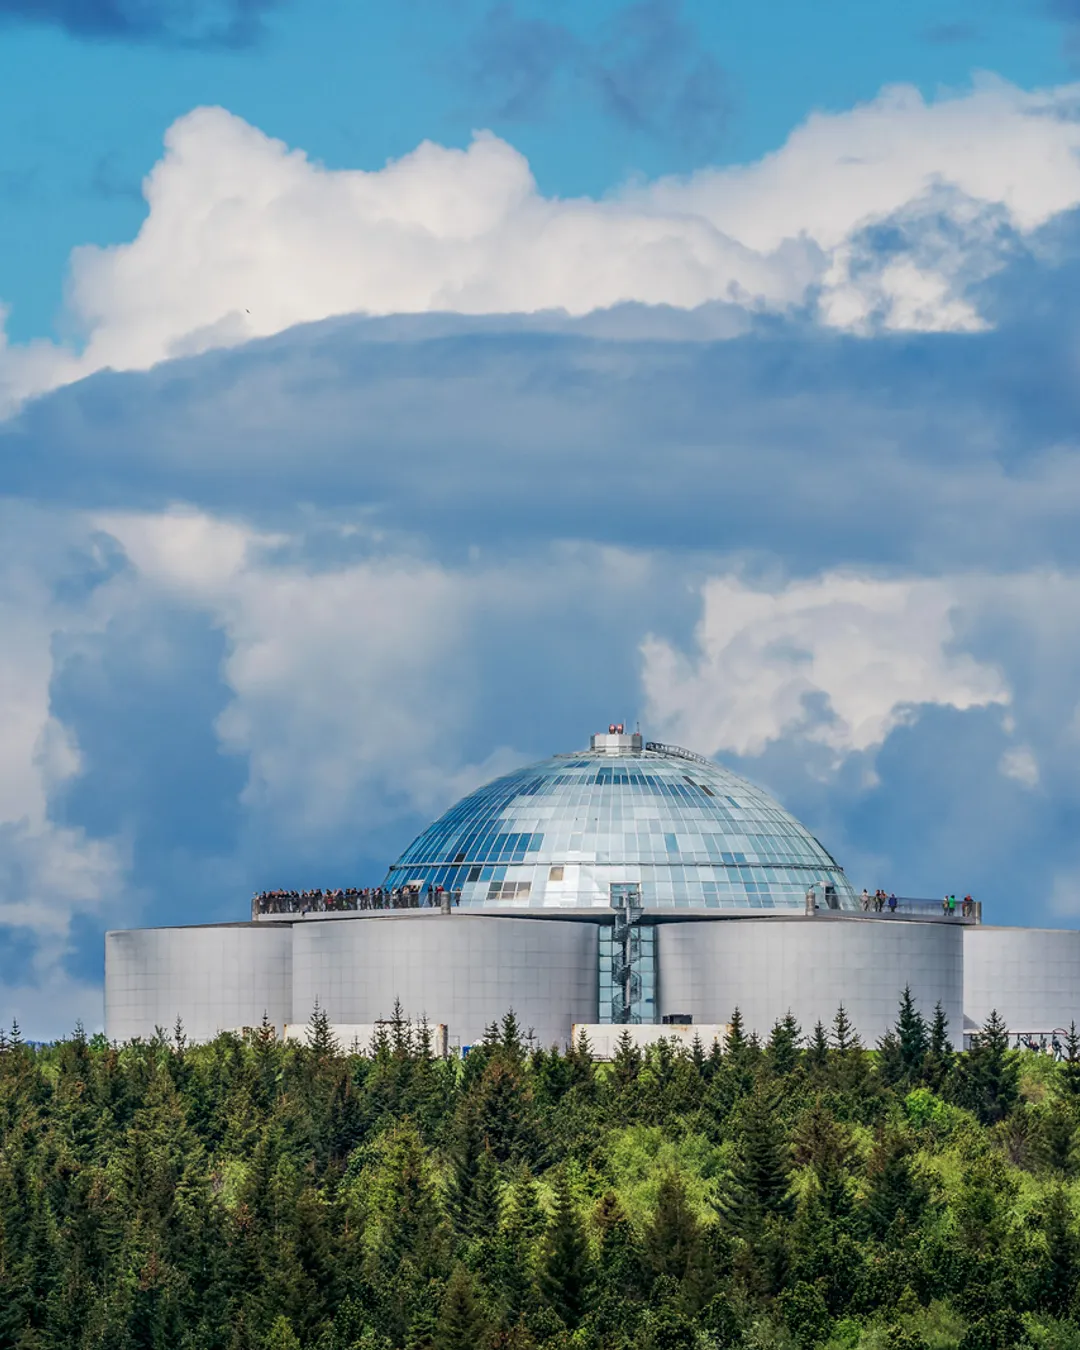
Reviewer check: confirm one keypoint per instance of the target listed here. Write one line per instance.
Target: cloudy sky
(393, 394)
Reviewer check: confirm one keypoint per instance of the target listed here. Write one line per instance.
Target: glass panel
(690, 835)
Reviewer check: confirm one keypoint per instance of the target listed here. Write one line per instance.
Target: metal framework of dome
(561, 833)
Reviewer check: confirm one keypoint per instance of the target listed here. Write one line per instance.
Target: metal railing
(303, 903)
(677, 752)
(964, 912)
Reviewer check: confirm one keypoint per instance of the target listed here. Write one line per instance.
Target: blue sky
(390, 396)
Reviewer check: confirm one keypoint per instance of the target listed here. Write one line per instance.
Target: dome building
(559, 834)
(631, 883)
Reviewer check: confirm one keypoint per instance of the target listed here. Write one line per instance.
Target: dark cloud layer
(905, 449)
(194, 23)
(645, 68)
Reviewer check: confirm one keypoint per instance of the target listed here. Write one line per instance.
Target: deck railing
(901, 906)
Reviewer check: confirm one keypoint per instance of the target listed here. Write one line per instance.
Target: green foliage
(462, 1324)
(989, 1081)
(564, 1262)
(672, 1236)
(896, 1193)
(254, 1195)
(912, 1038)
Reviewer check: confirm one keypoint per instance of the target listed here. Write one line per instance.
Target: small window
(556, 874)
(509, 890)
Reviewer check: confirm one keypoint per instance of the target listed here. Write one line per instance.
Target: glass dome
(561, 833)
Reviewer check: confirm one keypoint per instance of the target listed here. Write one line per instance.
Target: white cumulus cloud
(1019, 762)
(245, 237)
(353, 679)
(840, 658)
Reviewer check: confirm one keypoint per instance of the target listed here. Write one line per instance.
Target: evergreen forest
(804, 1191)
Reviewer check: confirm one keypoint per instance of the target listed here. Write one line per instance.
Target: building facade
(630, 883)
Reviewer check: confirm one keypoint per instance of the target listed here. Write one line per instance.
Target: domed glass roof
(560, 833)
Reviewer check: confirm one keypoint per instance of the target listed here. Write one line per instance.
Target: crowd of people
(884, 900)
(352, 897)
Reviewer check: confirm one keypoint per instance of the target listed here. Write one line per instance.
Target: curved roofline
(541, 844)
(657, 748)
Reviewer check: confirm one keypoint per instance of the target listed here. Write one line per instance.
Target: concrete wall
(213, 979)
(810, 965)
(461, 969)
(1030, 975)
(466, 970)
(604, 1037)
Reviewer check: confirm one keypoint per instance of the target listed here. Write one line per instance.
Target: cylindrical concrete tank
(214, 979)
(1030, 975)
(463, 970)
(766, 967)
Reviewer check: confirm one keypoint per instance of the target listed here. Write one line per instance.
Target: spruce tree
(564, 1261)
(423, 1331)
(890, 1064)
(408, 1224)
(817, 1052)
(320, 1038)
(826, 1145)
(180, 1039)
(514, 1256)
(848, 1068)
(474, 1192)
(1059, 1268)
(896, 1192)
(486, 1199)
(626, 1062)
(844, 1035)
(240, 1337)
(736, 1037)
(621, 1263)
(461, 1324)
(736, 1077)
(510, 1040)
(783, 1048)
(673, 1230)
(281, 1336)
(990, 1081)
(401, 1032)
(713, 1062)
(264, 1047)
(465, 1157)
(1068, 1074)
(912, 1037)
(939, 1055)
(505, 1111)
(760, 1180)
